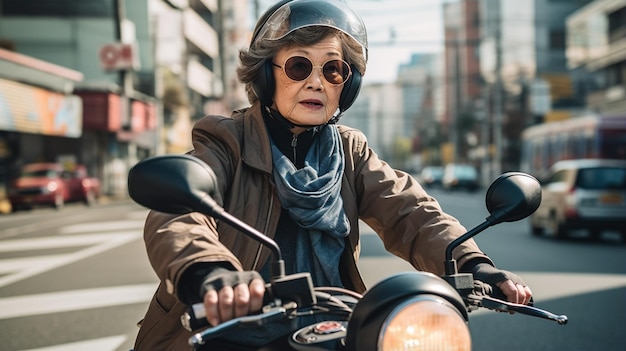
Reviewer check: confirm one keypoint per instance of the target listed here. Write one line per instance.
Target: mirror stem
(450, 264)
(211, 207)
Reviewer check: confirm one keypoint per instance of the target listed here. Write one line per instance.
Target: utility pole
(454, 132)
(125, 78)
(498, 95)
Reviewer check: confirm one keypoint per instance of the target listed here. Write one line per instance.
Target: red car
(51, 184)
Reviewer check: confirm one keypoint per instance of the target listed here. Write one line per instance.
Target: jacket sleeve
(410, 221)
(176, 242)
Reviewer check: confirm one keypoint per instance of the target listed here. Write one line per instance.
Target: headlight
(424, 323)
(52, 187)
(410, 311)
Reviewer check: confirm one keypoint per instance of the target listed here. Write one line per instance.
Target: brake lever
(499, 305)
(270, 314)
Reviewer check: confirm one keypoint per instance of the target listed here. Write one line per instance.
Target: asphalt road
(79, 279)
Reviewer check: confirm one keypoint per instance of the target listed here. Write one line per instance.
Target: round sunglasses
(299, 68)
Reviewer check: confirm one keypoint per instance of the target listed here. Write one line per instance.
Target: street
(79, 279)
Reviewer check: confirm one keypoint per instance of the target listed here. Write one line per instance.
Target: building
(596, 53)
(401, 118)
(40, 118)
(113, 54)
(462, 80)
(522, 61)
(149, 69)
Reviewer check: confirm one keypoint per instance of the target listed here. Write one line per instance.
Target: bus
(588, 136)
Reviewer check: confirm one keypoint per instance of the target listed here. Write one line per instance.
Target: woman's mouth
(312, 103)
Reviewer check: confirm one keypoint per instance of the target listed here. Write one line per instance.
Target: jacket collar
(256, 144)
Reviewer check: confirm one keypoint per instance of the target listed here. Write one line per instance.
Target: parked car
(51, 184)
(587, 194)
(460, 176)
(431, 176)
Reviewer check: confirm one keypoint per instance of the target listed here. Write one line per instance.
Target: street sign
(118, 56)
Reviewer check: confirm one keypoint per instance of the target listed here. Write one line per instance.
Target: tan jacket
(408, 220)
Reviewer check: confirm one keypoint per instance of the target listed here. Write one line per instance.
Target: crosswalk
(72, 244)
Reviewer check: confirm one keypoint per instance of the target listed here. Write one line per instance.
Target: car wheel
(90, 198)
(59, 202)
(536, 230)
(557, 229)
(595, 234)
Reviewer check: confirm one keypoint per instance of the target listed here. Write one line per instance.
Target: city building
(596, 53)
(148, 69)
(40, 118)
(522, 65)
(401, 119)
(462, 81)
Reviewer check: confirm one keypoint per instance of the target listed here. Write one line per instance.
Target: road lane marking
(139, 215)
(23, 268)
(111, 343)
(101, 226)
(53, 242)
(74, 300)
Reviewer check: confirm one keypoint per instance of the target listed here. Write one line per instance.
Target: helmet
(287, 16)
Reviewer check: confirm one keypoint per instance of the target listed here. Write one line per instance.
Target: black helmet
(288, 15)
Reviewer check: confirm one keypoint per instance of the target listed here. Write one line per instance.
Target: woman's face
(312, 101)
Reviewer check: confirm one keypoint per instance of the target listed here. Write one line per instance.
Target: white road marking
(103, 344)
(82, 228)
(74, 300)
(54, 242)
(25, 268)
(87, 240)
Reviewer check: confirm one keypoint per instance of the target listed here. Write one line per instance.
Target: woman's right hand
(232, 294)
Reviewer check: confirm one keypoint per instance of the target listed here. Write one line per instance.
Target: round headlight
(409, 311)
(424, 323)
(52, 186)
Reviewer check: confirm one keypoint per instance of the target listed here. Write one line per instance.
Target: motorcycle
(407, 311)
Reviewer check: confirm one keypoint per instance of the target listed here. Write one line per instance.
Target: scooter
(407, 311)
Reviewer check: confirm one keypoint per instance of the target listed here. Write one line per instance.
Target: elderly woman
(288, 170)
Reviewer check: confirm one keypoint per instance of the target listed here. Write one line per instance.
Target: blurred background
(456, 92)
(106, 83)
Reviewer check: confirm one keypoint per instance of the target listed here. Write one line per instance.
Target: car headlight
(424, 323)
(52, 187)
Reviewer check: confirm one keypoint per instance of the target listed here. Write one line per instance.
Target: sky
(396, 29)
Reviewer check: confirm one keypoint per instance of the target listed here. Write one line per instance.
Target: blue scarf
(312, 196)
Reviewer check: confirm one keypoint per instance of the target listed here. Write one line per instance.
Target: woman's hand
(511, 286)
(232, 294)
(516, 293)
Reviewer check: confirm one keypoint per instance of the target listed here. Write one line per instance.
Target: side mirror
(512, 196)
(172, 184)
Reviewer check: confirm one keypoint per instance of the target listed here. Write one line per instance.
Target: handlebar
(269, 315)
(336, 301)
